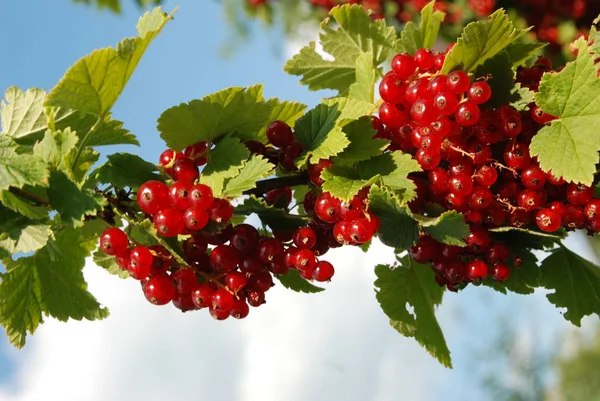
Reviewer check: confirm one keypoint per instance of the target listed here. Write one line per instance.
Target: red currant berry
(250, 264)
(140, 262)
(169, 222)
(403, 65)
(479, 92)
(392, 89)
(393, 115)
(256, 298)
(269, 249)
(327, 208)
(184, 302)
(592, 209)
(202, 295)
(323, 271)
(360, 230)
(424, 59)
(445, 103)
(458, 82)
(185, 281)
(288, 156)
(467, 114)
(548, 220)
(236, 281)
(152, 196)
(422, 111)
(460, 184)
(114, 241)
(579, 194)
(179, 194)
(280, 134)
(197, 152)
(305, 238)
(486, 176)
(456, 272)
(260, 281)
(185, 170)
(428, 158)
(201, 196)
(305, 259)
(516, 156)
(159, 290)
(315, 170)
(497, 253)
(480, 198)
(195, 219)
(222, 300)
(168, 158)
(533, 177)
(225, 258)
(500, 272)
(220, 211)
(341, 232)
(218, 314)
(240, 309)
(477, 270)
(478, 240)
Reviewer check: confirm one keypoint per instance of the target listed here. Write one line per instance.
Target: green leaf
(20, 234)
(362, 144)
(411, 39)
(413, 284)
(50, 282)
(242, 112)
(317, 131)
(88, 158)
(110, 132)
(17, 170)
(257, 168)
(355, 33)
(109, 264)
(525, 278)
(364, 87)
(569, 145)
(22, 206)
(521, 50)
(576, 284)
(22, 113)
(55, 146)
(502, 79)
(521, 97)
(294, 282)
(398, 229)
(285, 111)
(125, 170)
(226, 160)
(71, 202)
(520, 237)
(481, 41)
(275, 218)
(350, 109)
(344, 182)
(449, 228)
(431, 20)
(393, 168)
(95, 82)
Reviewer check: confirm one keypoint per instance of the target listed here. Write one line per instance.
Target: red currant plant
(472, 158)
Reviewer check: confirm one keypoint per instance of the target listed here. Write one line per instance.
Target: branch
(265, 186)
(38, 200)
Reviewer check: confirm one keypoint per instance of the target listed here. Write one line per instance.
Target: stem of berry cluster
(265, 186)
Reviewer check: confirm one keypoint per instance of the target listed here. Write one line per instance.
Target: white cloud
(332, 345)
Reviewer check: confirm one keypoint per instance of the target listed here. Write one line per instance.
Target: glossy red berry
(579, 194)
(467, 114)
(424, 59)
(195, 219)
(477, 270)
(501, 272)
(315, 170)
(305, 238)
(533, 177)
(168, 158)
(114, 241)
(159, 290)
(185, 281)
(236, 281)
(392, 89)
(327, 208)
(486, 176)
(460, 184)
(218, 314)
(222, 300)
(184, 302)
(269, 249)
(240, 309)
(323, 271)
(516, 156)
(140, 262)
(202, 295)
(497, 253)
(185, 170)
(245, 238)
(201, 196)
(256, 298)
(280, 134)
(479, 240)
(479, 92)
(360, 230)
(225, 258)
(179, 194)
(197, 152)
(220, 211)
(445, 103)
(548, 220)
(428, 158)
(458, 82)
(152, 196)
(305, 259)
(169, 222)
(404, 65)
(592, 209)
(529, 199)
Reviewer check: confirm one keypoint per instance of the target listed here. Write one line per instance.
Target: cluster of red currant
(476, 161)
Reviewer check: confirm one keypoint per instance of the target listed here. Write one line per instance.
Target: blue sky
(357, 355)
